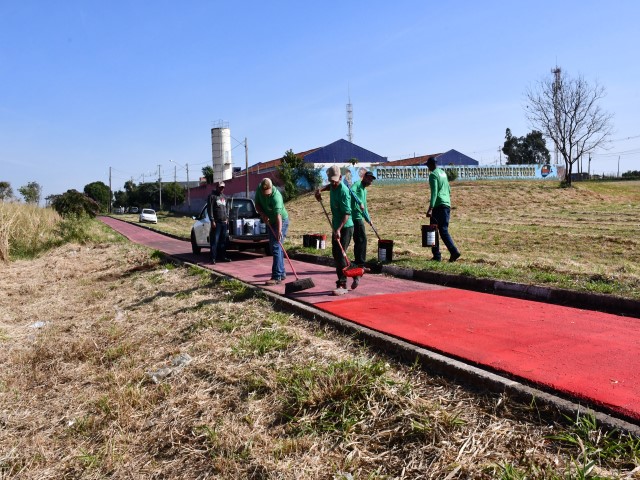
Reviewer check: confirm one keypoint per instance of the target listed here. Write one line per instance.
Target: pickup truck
(246, 231)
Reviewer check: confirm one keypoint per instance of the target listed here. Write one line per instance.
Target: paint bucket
(237, 227)
(319, 241)
(385, 251)
(429, 235)
(247, 228)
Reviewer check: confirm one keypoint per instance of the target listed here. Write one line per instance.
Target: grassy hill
(583, 238)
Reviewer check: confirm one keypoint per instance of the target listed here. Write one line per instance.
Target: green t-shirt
(440, 190)
(340, 205)
(271, 205)
(361, 192)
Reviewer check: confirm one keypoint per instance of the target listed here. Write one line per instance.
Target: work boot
(355, 283)
(454, 256)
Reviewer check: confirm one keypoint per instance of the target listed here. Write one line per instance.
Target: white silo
(221, 150)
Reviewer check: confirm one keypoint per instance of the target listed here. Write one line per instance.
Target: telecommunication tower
(350, 120)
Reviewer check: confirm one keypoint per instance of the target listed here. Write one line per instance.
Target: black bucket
(429, 235)
(385, 251)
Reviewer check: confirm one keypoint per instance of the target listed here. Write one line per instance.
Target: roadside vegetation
(585, 238)
(116, 364)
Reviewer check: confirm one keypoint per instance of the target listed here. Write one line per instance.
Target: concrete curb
(461, 373)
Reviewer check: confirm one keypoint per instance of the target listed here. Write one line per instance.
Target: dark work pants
(440, 217)
(345, 239)
(359, 242)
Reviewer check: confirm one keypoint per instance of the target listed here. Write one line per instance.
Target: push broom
(365, 215)
(299, 284)
(348, 271)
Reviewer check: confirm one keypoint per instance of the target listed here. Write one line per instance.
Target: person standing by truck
(270, 206)
(217, 211)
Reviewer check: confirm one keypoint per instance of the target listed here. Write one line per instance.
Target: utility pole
(246, 163)
(175, 181)
(110, 194)
(589, 167)
(618, 166)
(160, 187)
(500, 155)
(188, 190)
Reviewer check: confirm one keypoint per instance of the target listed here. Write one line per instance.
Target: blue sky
(88, 86)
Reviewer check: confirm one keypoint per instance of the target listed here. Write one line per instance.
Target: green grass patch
(331, 398)
(264, 341)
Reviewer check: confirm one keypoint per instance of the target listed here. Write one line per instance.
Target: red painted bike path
(583, 354)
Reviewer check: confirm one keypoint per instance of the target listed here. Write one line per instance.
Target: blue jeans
(218, 241)
(440, 217)
(277, 267)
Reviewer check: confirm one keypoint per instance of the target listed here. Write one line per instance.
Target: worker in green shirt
(440, 209)
(270, 206)
(341, 223)
(360, 212)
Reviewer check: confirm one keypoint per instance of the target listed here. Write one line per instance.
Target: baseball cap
(333, 173)
(221, 184)
(266, 186)
(370, 175)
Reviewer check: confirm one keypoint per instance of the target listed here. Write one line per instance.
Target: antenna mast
(350, 119)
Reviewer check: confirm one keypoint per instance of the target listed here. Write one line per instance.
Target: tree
(207, 172)
(72, 203)
(6, 192)
(99, 191)
(174, 193)
(529, 150)
(294, 172)
(31, 192)
(567, 111)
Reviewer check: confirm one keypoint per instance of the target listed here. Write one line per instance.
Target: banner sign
(468, 172)
(352, 173)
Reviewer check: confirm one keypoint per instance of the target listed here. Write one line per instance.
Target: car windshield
(241, 207)
(146, 210)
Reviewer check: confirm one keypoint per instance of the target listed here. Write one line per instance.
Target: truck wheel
(195, 248)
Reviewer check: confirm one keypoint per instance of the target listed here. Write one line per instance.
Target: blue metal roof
(454, 157)
(343, 151)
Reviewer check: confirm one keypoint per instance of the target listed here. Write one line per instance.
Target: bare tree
(566, 110)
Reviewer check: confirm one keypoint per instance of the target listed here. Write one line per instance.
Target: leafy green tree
(31, 192)
(121, 199)
(147, 194)
(207, 172)
(99, 191)
(529, 150)
(73, 203)
(174, 193)
(6, 192)
(294, 172)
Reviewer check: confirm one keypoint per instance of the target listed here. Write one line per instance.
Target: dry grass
(267, 395)
(25, 228)
(584, 238)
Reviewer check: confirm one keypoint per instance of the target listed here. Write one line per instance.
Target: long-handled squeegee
(348, 271)
(298, 284)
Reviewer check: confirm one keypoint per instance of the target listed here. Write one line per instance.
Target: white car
(148, 215)
(245, 229)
